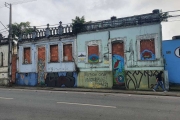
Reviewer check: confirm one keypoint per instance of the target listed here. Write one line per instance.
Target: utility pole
(10, 42)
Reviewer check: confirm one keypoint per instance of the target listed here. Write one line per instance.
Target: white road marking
(6, 98)
(86, 104)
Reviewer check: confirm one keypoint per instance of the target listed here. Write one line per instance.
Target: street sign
(177, 52)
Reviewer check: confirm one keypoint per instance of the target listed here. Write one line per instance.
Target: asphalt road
(17, 104)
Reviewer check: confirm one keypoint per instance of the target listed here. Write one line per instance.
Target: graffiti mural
(147, 49)
(61, 79)
(141, 79)
(41, 65)
(95, 79)
(27, 79)
(118, 63)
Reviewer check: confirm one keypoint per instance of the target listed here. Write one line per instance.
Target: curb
(175, 94)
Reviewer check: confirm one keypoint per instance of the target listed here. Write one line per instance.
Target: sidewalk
(137, 92)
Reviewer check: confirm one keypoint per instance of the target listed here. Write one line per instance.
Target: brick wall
(41, 53)
(67, 52)
(118, 49)
(14, 67)
(147, 44)
(27, 55)
(53, 53)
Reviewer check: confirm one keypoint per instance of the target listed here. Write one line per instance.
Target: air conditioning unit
(176, 37)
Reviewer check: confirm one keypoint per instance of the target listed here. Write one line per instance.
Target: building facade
(123, 53)
(47, 58)
(171, 53)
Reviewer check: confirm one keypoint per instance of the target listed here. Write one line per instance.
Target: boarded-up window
(27, 55)
(41, 53)
(93, 54)
(54, 53)
(67, 52)
(118, 49)
(147, 49)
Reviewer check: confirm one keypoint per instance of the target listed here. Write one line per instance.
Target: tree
(23, 27)
(78, 24)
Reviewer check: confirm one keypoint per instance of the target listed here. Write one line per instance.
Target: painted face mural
(118, 63)
(118, 69)
(147, 49)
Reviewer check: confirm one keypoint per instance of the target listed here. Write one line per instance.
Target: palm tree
(78, 24)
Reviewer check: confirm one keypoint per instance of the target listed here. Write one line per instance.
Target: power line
(21, 2)
(4, 31)
(174, 21)
(50, 25)
(172, 11)
(3, 25)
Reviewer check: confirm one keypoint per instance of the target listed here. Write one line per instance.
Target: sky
(42, 12)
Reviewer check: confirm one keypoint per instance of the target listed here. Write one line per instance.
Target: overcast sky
(41, 12)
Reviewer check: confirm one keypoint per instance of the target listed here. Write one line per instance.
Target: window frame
(23, 59)
(153, 36)
(91, 43)
(62, 53)
(49, 56)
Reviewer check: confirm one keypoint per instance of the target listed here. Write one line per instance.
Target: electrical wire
(21, 2)
(172, 11)
(174, 21)
(3, 25)
(51, 25)
(4, 31)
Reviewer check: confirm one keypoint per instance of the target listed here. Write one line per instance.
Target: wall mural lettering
(141, 79)
(96, 79)
(61, 79)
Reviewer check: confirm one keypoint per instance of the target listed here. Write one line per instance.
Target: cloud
(41, 12)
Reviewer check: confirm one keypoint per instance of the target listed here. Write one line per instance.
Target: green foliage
(23, 27)
(78, 24)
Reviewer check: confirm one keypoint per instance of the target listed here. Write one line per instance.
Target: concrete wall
(143, 79)
(4, 64)
(171, 53)
(96, 79)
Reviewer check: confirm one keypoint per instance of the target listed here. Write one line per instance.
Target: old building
(6, 75)
(46, 57)
(121, 52)
(171, 53)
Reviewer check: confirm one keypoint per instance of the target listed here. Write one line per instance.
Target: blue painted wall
(172, 62)
(26, 79)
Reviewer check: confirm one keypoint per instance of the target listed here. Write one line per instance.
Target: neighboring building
(171, 53)
(120, 53)
(46, 57)
(4, 52)
(4, 48)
